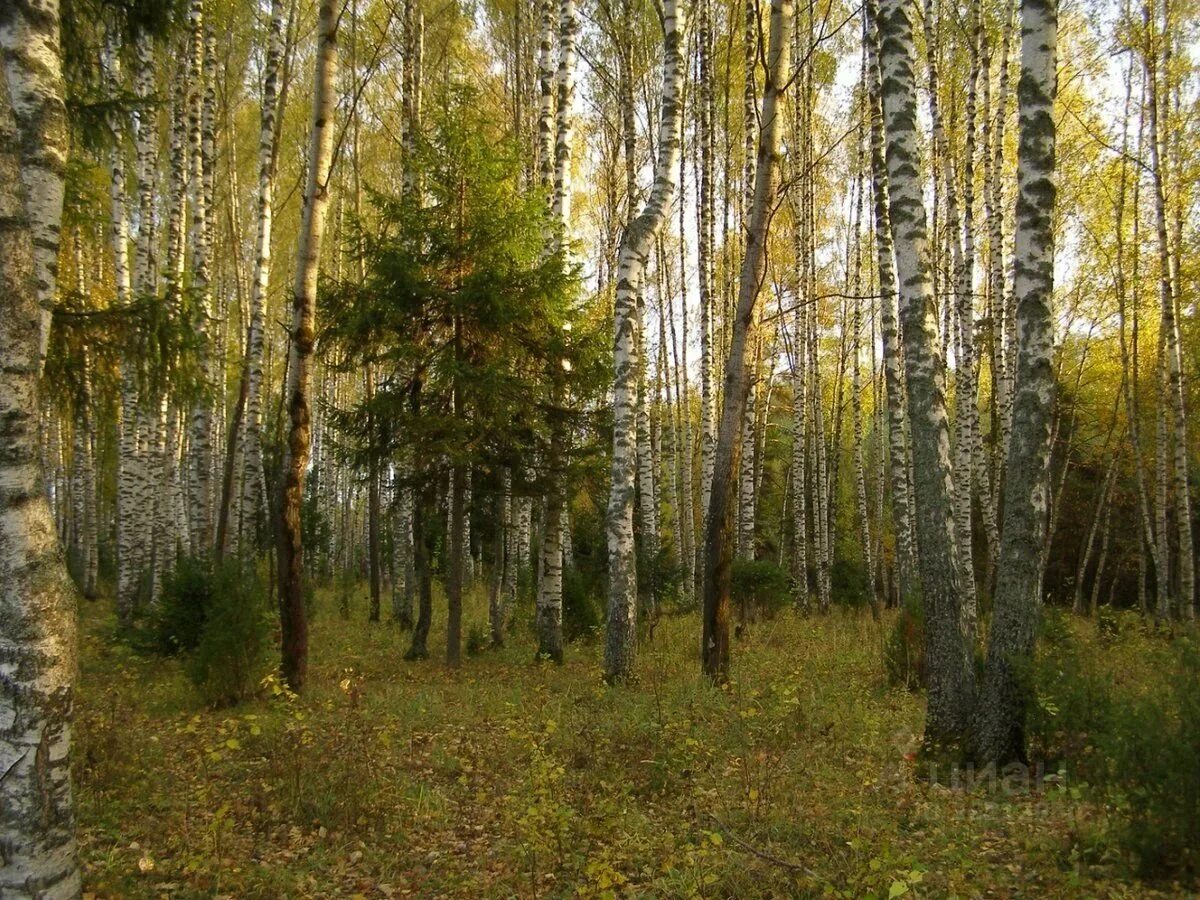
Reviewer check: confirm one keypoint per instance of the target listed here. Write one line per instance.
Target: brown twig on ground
(761, 854)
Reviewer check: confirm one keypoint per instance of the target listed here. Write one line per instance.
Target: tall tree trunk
(856, 388)
(893, 373)
(718, 532)
(293, 617)
(706, 125)
(1128, 334)
(130, 472)
(636, 243)
(503, 560)
(253, 479)
(956, 311)
(950, 673)
(1172, 375)
(37, 601)
(455, 565)
(686, 511)
(550, 599)
(200, 435)
(29, 42)
(999, 295)
(1000, 724)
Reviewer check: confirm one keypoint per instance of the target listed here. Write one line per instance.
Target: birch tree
(1004, 698)
(892, 364)
(302, 337)
(253, 485)
(636, 244)
(719, 525)
(948, 658)
(29, 43)
(37, 601)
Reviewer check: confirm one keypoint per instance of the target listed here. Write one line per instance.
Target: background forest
(811, 381)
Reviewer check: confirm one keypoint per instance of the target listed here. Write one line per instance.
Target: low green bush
(1141, 749)
(176, 622)
(760, 587)
(1155, 750)
(231, 657)
(477, 640)
(904, 649)
(583, 605)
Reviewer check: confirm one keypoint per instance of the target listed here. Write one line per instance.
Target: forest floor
(509, 778)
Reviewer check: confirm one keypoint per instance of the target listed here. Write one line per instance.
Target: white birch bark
(253, 484)
(635, 247)
(200, 434)
(303, 336)
(1174, 415)
(950, 674)
(37, 601)
(130, 472)
(893, 365)
(29, 47)
(999, 727)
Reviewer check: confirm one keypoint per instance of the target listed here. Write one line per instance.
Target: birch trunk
(705, 250)
(950, 673)
(37, 602)
(719, 548)
(130, 472)
(1000, 724)
(302, 333)
(253, 483)
(636, 243)
(200, 433)
(29, 42)
(1172, 376)
(893, 373)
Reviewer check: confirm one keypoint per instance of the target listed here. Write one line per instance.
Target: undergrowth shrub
(1072, 712)
(218, 616)
(850, 582)
(659, 578)
(176, 623)
(1140, 747)
(477, 640)
(583, 611)
(1156, 756)
(760, 587)
(904, 649)
(230, 658)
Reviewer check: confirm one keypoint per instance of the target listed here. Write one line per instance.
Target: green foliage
(659, 577)
(1157, 766)
(760, 587)
(1140, 746)
(478, 640)
(218, 617)
(583, 605)
(850, 582)
(1073, 709)
(904, 650)
(230, 658)
(177, 621)
(481, 347)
